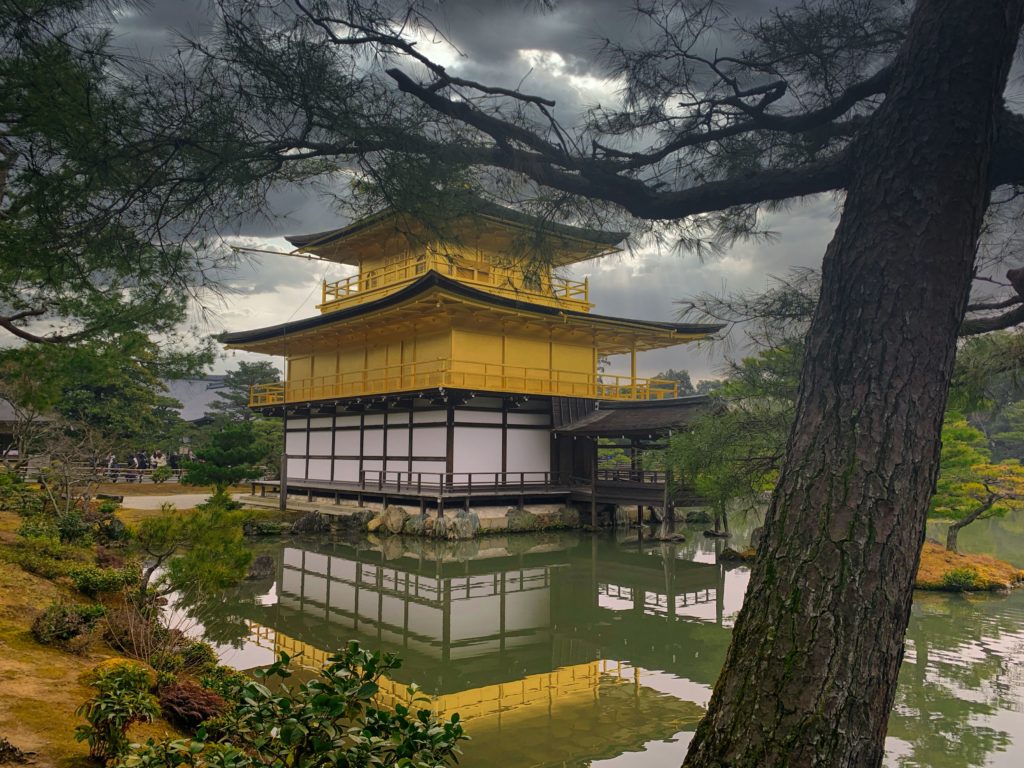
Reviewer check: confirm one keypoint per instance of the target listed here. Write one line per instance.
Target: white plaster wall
(319, 469)
(295, 442)
(346, 443)
(420, 417)
(373, 442)
(428, 441)
(374, 418)
(322, 421)
(348, 420)
(529, 450)
(296, 469)
(478, 417)
(346, 469)
(428, 467)
(477, 449)
(319, 443)
(517, 417)
(398, 441)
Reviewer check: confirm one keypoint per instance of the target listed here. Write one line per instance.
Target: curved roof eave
(436, 280)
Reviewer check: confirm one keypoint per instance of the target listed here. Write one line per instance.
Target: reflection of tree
(221, 611)
(956, 682)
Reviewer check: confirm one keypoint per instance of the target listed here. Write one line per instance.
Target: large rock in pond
(569, 517)
(394, 519)
(311, 522)
(465, 525)
(521, 520)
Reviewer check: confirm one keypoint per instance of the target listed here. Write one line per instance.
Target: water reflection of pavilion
(519, 643)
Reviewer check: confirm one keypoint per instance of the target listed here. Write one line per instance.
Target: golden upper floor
(493, 249)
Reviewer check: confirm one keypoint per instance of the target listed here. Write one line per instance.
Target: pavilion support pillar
(632, 371)
(593, 486)
(282, 495)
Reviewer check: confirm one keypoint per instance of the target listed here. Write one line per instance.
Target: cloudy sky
(503, 42)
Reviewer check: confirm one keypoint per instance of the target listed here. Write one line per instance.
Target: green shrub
(62, 623)
(198, 656)
(162, 474)
(104, 524)
(167, 661)
(17, 496)
(225, 681)
(963, 579)
(47, 557)
(330, 720)
(122, 698)
(73, 528)
(92, 580)
(38, 527)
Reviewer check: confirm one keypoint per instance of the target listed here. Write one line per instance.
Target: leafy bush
(92, 580)
(38, 526)
(328, 721)
(187, 705)
(962, 579)
(104, 524)
(167, 661)
(198, 656)
(73, 528)
(63, 624)
(17, 496)
(224, 681)
(122, 699)
(47, 557)
(162, 474)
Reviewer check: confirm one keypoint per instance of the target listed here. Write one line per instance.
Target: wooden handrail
(464, 374)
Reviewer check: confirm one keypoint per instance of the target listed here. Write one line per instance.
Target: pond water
(572, 649)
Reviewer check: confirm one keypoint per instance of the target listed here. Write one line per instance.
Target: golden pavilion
(449, 361)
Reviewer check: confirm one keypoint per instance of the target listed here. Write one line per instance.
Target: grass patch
(952, 572)
(41, 686)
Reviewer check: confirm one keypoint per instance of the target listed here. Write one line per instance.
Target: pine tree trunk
(811, 672)
(951, 536)
(954, 528)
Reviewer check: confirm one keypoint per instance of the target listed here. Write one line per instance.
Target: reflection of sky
(954, 712)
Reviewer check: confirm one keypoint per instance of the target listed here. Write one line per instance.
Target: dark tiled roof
(643, 417)
(468, 206)
(436, 280)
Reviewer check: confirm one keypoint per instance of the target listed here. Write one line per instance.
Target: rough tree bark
(811, 672)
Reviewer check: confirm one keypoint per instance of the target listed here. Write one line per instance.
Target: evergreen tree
(970, 486)
(232, 401)
(229, 455)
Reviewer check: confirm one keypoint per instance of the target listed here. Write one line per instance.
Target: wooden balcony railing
(398, 481)
(375, 284)
(460, 374)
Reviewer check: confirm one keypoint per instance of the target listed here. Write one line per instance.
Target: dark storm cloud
(493, 35)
